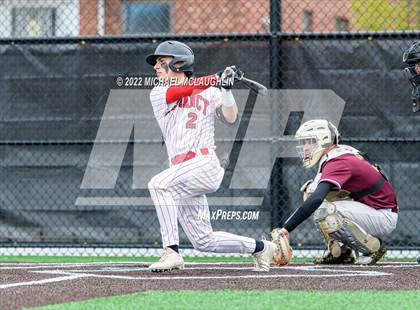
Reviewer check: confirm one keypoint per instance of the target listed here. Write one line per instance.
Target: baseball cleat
(345, 258)
(372, 258)
(169, 261)
(265, 257)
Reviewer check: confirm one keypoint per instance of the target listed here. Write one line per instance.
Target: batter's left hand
(229, 76)
(238, 74)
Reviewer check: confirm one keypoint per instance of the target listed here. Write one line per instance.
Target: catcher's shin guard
(335, 226)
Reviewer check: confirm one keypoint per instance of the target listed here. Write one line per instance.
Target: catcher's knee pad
(327, 218)
(334, 225)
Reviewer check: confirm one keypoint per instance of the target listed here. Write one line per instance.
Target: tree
(381, 15)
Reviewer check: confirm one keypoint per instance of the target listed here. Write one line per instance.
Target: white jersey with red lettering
(178, 192)
(186, 124)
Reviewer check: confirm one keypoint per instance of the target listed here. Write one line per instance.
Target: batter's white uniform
(178, 192)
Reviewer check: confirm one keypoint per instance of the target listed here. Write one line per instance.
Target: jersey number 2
(191, 122)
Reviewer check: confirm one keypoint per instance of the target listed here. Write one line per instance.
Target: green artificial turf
(110, 259)
(234, 299)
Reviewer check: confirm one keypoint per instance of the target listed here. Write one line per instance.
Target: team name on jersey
(195, 101)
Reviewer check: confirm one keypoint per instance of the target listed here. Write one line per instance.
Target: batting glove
(229, 76)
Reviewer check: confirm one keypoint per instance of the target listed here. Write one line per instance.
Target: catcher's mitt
(284, 252)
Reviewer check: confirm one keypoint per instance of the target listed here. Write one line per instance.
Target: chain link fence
(70, 18)
(59, 60)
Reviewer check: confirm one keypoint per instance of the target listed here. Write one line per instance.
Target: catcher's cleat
(169, 261)
(265, 257)
(345, 258)
(372, 258)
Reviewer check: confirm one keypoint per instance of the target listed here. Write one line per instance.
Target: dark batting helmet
(183, 56)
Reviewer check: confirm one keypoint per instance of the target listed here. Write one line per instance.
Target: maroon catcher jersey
(353, 173)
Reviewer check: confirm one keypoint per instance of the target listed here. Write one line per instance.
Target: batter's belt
(180, 158)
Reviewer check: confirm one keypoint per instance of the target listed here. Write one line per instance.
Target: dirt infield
(31, 284)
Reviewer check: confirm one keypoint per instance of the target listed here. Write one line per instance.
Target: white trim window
(307, 21)
(341, 24)
(39, 18)
(143, 17)
(33, 22)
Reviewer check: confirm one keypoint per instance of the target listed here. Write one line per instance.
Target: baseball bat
(254, 86)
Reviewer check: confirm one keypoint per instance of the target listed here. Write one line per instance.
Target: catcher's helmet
(412, 54)
(314, 137)
(412, 57)
(183, 56)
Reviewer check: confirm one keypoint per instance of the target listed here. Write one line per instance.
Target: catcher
(353, 202)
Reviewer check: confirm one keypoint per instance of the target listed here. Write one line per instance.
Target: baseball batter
(353, 202)
(185, 109)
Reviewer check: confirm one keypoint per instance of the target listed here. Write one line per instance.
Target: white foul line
(44, 281)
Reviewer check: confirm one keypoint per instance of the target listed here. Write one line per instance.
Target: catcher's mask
(313, 138)
(183, 56)
(412, 58)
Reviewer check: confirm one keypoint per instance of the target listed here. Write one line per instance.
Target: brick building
(316, 16)
(216, 16)
(175, 16)
(48, 18)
